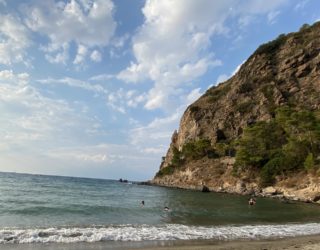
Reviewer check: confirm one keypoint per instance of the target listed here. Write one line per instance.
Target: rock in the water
(205, 189)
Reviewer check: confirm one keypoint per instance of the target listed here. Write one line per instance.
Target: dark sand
(305, 242)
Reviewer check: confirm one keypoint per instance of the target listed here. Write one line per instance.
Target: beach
(304, 242)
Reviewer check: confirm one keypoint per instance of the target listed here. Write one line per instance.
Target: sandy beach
(305, 242)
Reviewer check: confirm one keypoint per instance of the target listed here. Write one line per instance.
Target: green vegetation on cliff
(191, 151)
(289, 142)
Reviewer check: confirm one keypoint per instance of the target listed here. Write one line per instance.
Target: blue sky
(95, 88)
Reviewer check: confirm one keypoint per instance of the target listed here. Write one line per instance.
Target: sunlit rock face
(285, 71)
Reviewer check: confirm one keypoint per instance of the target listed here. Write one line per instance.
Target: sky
(95, 88)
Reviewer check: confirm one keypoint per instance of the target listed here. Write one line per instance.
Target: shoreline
(311, 242)
(271, 195)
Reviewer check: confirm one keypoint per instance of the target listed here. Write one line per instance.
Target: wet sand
(304, 242)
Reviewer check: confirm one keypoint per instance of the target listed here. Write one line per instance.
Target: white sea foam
(146, 233)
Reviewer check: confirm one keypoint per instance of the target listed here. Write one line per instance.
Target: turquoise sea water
(35, 208)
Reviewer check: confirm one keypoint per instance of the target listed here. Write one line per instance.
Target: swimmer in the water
(166, 208)
(142, 203)
(252, 201)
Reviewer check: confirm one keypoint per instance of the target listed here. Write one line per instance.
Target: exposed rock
(293, 90)
(205, 189)
(269, 191)
(284, 71)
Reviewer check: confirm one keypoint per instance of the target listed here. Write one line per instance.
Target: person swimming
(142, 203)
(251, 201)
(166, 208)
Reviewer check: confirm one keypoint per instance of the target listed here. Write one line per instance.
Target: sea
(43, 209)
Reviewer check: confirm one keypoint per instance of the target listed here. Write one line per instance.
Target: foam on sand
(148, 233)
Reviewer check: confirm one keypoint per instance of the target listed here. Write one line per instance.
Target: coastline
(269, 192)
(301, 242)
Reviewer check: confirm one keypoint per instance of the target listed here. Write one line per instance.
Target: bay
(38, 208)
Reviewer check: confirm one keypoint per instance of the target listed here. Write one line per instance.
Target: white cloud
(117, 161)
(30, 117)
(119, 42)
(96, 56)
(34, 127)
(157, 132)
(222, 78)
(121, 99)
(237, 68)
(174, 55)
(81, 54)
(14, 40)
(300, 5)
(154, 150)
(99, 153)
(160, 129)
(8, 76)
(102, 77)
(134, 73)
(272, 16)
(136, 100)
(57, 53)
(248, 10)
(260, 6)
(194, 95)
(171, 48)
(76, 83)
(87, 23)
(91, 154)
(245, 20)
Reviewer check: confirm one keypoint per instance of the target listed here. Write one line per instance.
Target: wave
(151, 233)
(71, 209)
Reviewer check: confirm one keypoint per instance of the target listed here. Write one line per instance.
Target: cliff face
(285, 71)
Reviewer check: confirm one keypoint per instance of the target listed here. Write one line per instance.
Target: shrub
(224, 149)
(165, 171)
(271, 169)
(216, 93)
(267, 91)
(272, 46)
(309, 162)
(197, 149)
(290, 142)
(194, 109)
(304, 27)
(296, 152)
(245, 88)
(245, 107)
(177, 158)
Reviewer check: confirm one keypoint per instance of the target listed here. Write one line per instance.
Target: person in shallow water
(251, 201)
(142, 203)
(166, 208)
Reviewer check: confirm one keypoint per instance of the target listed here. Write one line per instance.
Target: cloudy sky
(95, 88)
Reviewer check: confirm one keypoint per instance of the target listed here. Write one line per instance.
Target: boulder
(205, 189)
(269, 191)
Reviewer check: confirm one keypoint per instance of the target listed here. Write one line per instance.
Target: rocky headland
(258, 132)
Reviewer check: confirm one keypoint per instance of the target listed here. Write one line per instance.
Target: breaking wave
(151, 233)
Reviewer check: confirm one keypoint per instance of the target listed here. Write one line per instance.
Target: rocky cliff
(281, 73)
